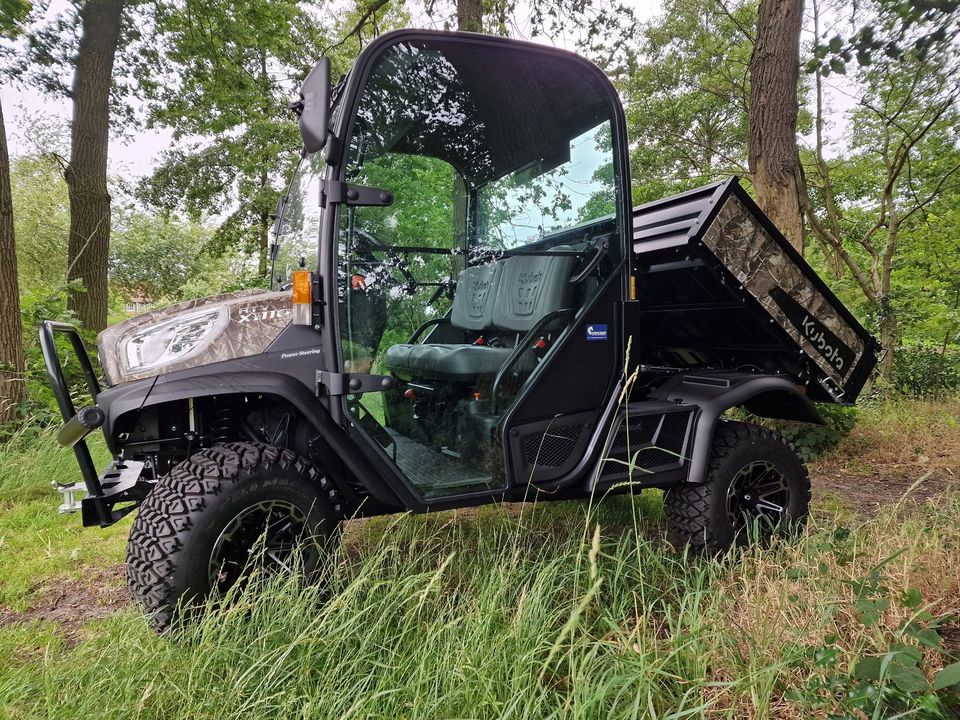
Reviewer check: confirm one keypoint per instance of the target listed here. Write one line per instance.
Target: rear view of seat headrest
(532, 286)
(473, 302)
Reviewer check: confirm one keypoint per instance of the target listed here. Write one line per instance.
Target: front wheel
(756, 487)
(219, 514)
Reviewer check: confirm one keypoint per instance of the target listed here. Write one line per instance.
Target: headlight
(173, 340)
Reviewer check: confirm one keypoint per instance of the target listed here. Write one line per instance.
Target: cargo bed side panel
(762, 265)
(718, 286)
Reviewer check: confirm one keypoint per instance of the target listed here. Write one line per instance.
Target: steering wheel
(368, 244)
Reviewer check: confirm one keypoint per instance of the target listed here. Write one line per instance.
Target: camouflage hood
(193, 333)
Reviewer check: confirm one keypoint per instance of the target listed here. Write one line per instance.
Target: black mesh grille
(652, 442)
(552, 447)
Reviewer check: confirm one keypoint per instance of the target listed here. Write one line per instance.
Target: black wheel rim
(266, 536)
(758, 495)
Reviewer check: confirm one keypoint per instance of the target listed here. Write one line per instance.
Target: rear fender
(771, 396)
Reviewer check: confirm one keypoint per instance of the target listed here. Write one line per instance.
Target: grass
(562, 610)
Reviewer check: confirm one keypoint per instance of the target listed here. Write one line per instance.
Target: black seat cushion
(458, 362)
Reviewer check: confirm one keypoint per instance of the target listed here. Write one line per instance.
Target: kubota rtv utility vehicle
(476, 275)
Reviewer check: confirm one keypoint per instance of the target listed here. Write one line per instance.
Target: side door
(488, 288)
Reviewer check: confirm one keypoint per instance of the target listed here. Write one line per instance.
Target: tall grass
(558, 611)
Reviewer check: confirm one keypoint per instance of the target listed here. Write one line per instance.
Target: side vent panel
(549, 449)
(652, 437)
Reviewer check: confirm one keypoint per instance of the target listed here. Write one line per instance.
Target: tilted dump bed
(717, 285)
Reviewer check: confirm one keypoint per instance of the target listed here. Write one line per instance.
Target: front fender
(773, 396)
(134, 396)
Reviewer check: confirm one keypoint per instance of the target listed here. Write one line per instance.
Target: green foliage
(153, 258)
(12, 14)
(812, 441)
(926, 370)
(686, 96)
(224, 72)
(41, 221)
(39, 407)
(893, 680)
(888, 30)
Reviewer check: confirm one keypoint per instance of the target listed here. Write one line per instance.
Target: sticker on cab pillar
(596, 332)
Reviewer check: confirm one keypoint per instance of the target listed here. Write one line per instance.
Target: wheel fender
(137, 395)
(772, 396)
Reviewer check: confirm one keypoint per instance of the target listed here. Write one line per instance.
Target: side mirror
(315, 107)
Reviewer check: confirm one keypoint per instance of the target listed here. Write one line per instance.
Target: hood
(222, 327)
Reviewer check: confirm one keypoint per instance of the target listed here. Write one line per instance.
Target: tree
(877, 210)
(774, 76)
(11, 331)
(154, 259)
(686, 96)
(224, 72)
(89, 243)
(470, 15)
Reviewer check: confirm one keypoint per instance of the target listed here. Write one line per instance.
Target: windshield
(299, 227)
(536, 200)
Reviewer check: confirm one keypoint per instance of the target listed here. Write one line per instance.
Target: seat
(446, 360)
(472, 311)
(509, 296)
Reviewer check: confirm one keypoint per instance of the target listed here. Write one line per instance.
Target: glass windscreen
(550, 194)
(298, 229)
(503, 175)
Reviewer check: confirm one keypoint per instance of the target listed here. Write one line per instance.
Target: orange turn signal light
(301, 287)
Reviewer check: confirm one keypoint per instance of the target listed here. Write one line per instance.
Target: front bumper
(121, 483)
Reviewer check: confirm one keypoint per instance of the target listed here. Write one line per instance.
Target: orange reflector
(301, 287)
(633, 287)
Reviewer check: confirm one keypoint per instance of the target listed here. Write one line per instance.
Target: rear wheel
(220, 514)
(756, 487)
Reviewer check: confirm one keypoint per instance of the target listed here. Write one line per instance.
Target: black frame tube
(58, 383)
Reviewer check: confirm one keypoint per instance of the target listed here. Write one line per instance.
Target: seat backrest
(532, 286)
(474, 299)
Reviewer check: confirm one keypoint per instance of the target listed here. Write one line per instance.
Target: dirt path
(71, 602)
(867, 493)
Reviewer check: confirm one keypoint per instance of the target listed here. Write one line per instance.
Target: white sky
(138, 154)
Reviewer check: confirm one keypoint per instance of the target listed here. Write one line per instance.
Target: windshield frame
(336, 172)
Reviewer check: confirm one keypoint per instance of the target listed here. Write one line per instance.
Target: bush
(813, 441)
(39, 406)
(926, 371)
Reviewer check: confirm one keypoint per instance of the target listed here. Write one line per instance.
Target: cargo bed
(718, 286)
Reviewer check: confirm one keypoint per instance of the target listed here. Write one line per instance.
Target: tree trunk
(86, 175)
(774, 73)
(263, 245)
(470, 15)
(888, 340)
(11, 332)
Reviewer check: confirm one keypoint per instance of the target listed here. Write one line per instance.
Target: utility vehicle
(472, 312)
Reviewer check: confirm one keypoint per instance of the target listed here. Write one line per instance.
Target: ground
(892, 482)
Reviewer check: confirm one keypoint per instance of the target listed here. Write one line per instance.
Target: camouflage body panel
(758, 261)
(252, 320)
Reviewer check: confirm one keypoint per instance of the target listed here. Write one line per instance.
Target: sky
(137, 154)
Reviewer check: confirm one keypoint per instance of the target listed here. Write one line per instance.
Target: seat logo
(596, 332)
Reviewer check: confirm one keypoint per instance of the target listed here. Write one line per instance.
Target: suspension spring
(222, 422)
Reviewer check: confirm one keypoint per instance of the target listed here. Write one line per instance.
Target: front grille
(552, 447)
